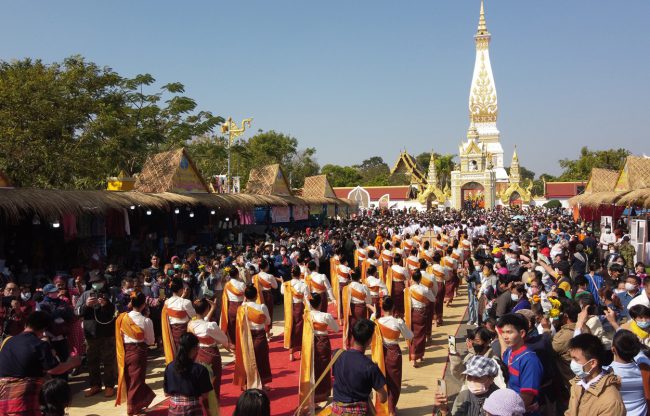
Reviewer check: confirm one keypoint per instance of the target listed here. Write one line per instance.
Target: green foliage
(444, 166)
(580, 169)
(553, 203)
(341, 175)
(527, 175)
(264, 148)
(73, 124)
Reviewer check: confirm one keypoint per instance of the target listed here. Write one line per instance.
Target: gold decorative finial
(515, 158)
(482, 26)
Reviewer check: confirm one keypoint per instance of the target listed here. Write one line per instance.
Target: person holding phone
(479, 384)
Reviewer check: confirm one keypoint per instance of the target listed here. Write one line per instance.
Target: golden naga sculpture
(440, 195)
(524, 193)
(230, 128)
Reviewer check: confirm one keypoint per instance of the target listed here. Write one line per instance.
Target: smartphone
(452, 344)
(161, 293)
(470, 333)
(442, 386)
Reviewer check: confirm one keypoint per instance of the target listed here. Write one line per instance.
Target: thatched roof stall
(639, 198)
(172, 171)
(600, 180)
(268, 180)
(634, 175)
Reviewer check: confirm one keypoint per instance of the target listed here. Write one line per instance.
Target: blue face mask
(578, 369)
(643, 324)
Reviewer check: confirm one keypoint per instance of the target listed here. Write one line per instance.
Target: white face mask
(514, 297)
(25, 296)
(630, 287)
(476, 388)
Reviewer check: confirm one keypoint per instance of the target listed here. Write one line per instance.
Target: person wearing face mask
(62, 316)
(594, 391)
(98, 313)
(631, 291)
(639, 323)
(25, 359)
(478, 344)
(479, 385)
(123, 298)
(518, 296)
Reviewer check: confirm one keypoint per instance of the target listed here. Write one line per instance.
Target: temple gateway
(479, 180)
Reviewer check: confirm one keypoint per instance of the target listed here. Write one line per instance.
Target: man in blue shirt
(355, 375)
(594, 283)
(632, 283)
(524, 367)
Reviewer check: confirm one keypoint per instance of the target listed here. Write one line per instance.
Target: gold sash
(225, 303)
(246, 375)
(124, 325)
(377, 356)
(168, 344)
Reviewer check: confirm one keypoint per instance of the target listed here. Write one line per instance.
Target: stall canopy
(167, 181)
(172, 171)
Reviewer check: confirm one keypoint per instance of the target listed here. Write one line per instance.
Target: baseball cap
(49, 288)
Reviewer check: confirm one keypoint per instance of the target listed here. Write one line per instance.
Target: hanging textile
(280, 214)
(69, 227)
(300, 213)
(127, 224)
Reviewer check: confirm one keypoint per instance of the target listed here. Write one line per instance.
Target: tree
(374, 171)
(580, 169)
(444, 166)
(527, 175)
(302, 165)
(341, 175)
(73, 124)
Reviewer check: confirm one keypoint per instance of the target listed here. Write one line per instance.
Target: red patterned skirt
(322, 357)
(139, 394)
(393, 364)
(261, 346)
(210, 356)
(418, 323)
(297, 312)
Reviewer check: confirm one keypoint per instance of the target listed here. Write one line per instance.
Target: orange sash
(225, 302)
(358, 295)
(246, 375)
(319, 288)
(426, 282)
(455, 255)
(412, 263)
(256, 316)
(419, 297)
(389, 333)
(124, 325)
(387, 257)
(425, 256)
(319, 326)
(438, 273)
(173, 313)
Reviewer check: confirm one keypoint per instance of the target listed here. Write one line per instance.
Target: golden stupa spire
(482, 26)
(515, 158)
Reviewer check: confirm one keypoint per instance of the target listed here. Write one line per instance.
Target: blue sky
(362, 78)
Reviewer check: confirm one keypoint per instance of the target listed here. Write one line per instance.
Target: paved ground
(417, 383)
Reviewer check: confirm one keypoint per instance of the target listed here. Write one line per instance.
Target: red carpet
(284, 387)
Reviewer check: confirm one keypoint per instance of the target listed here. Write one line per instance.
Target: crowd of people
(558, 317)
